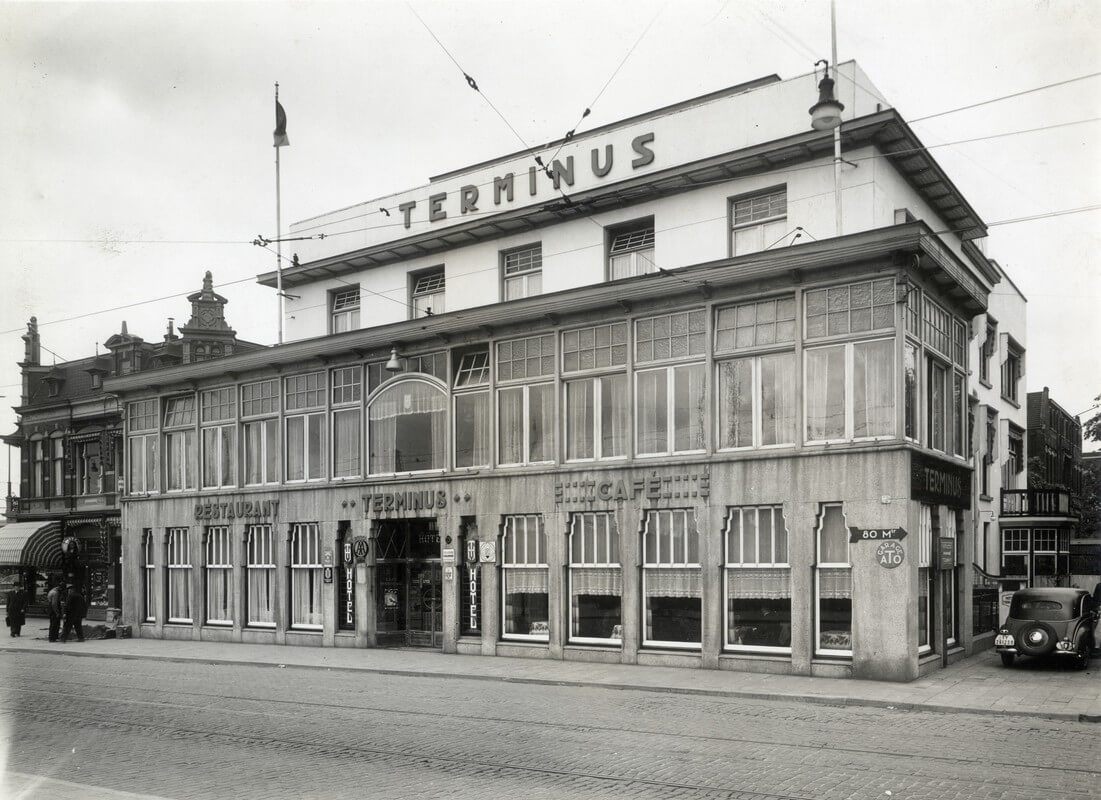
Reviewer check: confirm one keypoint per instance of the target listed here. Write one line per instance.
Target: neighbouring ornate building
(667, 394)
(65, 520)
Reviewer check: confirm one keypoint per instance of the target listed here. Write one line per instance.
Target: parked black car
(1048, 621)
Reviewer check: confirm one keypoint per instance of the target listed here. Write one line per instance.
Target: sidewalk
(977, 685)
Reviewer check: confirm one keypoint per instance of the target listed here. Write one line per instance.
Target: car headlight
(1064, 644)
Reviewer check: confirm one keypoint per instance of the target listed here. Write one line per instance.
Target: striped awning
(31, 544)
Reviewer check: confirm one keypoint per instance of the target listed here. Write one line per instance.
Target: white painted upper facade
(690, 227)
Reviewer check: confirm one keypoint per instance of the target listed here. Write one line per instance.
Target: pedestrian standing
(17, 607)
(56, 601)
(74, 614)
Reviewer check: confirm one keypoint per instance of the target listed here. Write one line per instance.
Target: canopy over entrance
(31, 544)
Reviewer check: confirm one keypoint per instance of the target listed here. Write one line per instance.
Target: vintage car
(1050, 621)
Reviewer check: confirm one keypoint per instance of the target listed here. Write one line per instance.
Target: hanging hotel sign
(237, 509)
(653, 488)
(875, 534)
(392, 502)
(938, 482)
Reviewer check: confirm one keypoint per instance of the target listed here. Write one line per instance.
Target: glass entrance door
(409, 596)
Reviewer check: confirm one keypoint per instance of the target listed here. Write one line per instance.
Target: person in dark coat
(56, 601)
(16, 607)
(75, 608)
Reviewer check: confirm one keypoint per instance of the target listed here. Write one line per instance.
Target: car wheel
(1036, 639)
(1083, 659)
(1007, 659)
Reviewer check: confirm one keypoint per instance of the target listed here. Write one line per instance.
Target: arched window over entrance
(407, 427)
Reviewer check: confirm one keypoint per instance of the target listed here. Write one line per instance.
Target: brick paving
(1038, 688)
(201, 728)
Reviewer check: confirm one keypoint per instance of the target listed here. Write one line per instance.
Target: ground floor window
(525, 609)
(671, 581)
(925, 579)
(179, 576)
(596, 579)
(758, 580)
(261, 577)
(306, 610)
(833, 585)
(148, 587)
(219, 576)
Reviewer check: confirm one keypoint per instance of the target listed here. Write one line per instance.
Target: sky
(136, 144)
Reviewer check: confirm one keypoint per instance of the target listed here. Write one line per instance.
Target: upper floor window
(597, 409)
(631, 252)
(850, 391)
(427, 293)
(597, 347)
(758, 220)
(532, 357)
(937, 328)
(522, 271)
(347, 389)
(304, 437)
(260, 399)
(760, 323)
(853, 308)
(525, 413)
(179, 444)
(671, 336)
(407, 428)
(989, 346)
(345, 309)
(142, 457)
(219, 410)
(473, 369)
(434, 364)
(1012, 370)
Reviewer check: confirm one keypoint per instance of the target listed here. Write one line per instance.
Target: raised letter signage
(936, 481)
(237, 509)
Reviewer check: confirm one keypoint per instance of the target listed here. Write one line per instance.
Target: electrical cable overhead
(1005, 97)
(588, 109)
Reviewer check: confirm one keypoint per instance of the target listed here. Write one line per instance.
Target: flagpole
(278, 236)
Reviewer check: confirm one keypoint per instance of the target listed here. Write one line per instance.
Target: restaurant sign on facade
(653, 488)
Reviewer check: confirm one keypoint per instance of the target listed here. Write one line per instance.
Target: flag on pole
(281, 139)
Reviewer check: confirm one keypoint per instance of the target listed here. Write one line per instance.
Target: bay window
(671, 409)
(671, 580)
(347, 389)
(260, 432)
(850, 391)
(758, 580)
(178, 567)
(305, 596)
(179, 443)
(141, 424)
(833, 619)
(219, 440)
(524, 579)
(757, 401)
(525, 413)
(407, 428)
(304, 440)
(260, 567)
(472, 421)
(595, 579)
(219, 576)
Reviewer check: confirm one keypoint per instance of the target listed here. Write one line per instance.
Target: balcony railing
(1035, 503)
(63, 504)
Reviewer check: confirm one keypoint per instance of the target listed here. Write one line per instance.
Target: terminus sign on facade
(504, 186)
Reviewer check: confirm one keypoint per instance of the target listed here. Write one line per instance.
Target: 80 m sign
(890, 554)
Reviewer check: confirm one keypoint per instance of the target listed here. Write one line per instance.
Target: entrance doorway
(409, 593)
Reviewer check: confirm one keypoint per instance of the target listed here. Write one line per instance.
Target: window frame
(819, 565)
(757, 414)
(672, 373)
(178, 560)
(691, 531)
(849, 392)
(219, 556)
(547, 389)
(433, 288)
(731, 567)
(765, 226)
(254, 563)
(508, 526)
(343, 315)
(345, 399)
(298, 561)
(611, 536)
(645, 231)
(522, 275)
(149, 571)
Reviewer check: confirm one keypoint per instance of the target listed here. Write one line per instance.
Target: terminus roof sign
(745, 129)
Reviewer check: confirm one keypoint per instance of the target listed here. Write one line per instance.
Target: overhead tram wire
(588, 109)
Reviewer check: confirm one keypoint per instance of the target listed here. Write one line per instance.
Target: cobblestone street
(106, 727)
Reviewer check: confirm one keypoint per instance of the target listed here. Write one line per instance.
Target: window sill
(987, 498)
(1011, 401)
(987, 384)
